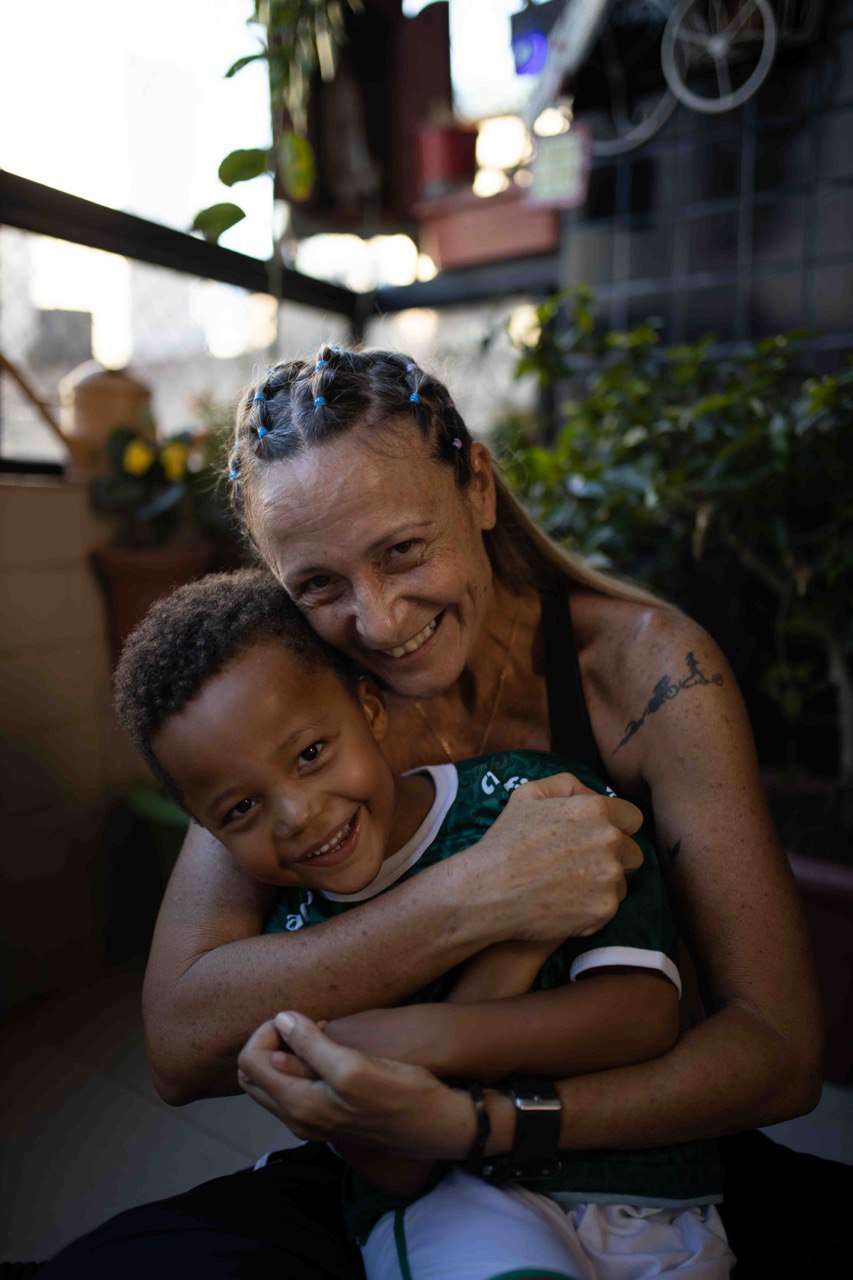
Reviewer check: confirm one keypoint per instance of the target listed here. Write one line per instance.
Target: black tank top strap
(571, 728)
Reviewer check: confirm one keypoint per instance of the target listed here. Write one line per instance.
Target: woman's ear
(373, 707)
(482, 486)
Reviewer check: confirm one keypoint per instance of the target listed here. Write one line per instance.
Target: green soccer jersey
(469, 796)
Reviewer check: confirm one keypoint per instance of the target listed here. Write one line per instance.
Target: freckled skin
(300, 753)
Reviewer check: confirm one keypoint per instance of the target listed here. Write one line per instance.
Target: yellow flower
(174, 460)
(138, 458)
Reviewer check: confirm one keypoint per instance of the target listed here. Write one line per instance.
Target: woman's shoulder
(636, 659)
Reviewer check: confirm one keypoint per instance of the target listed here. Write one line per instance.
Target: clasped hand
(323, 1090)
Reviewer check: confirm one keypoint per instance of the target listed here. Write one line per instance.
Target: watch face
(530, 1094)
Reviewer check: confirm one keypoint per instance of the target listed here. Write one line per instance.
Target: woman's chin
(428, 682)
(423, 674)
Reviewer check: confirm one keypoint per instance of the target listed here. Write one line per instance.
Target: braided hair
(304, 403)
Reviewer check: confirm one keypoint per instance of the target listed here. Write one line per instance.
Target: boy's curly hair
(189, 636)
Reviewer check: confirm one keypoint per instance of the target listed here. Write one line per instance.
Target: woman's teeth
(416, 641)
(333, 842)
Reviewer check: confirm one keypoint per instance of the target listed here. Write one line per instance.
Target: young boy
(273, 742)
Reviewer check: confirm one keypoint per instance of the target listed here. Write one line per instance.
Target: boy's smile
(281, 762)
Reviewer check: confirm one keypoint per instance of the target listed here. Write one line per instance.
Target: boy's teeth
(338, 838)
(415, 643)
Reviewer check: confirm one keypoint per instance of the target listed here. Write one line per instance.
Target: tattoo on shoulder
(665, 690)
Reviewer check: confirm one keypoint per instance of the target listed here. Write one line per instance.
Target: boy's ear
(373, 707)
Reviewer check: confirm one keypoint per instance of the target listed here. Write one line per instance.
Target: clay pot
(94, 400)
(133, 578)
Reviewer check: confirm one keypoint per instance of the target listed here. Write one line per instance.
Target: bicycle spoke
(719, 16)
(694, 20)
(724, 80)
(616, 83)
(741, 17)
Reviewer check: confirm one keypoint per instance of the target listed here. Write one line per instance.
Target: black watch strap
(538, 1113)
(482, 1129)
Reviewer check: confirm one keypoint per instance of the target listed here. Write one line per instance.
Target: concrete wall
(62, 758)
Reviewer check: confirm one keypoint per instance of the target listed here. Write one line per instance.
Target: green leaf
(243, 62)
(216, 219)
(240, 166)
(297, 166)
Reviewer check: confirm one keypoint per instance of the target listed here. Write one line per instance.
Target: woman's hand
(354, 1096)
(556, 859)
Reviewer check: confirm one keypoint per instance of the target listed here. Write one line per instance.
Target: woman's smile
(417, 641)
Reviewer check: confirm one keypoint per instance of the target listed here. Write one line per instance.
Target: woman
(360, 487)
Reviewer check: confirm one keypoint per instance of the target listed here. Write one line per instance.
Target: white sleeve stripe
(629, 957)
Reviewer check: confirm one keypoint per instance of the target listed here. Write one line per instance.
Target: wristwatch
(538, 1112)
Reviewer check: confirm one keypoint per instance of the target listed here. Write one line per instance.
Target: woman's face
(382, 551)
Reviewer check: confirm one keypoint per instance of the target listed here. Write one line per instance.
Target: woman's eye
(240, 809)
(403, 548)
(312, 753)
(312, 585)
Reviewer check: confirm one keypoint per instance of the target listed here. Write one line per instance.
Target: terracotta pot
(133, 578)
(94, 400)
(826, 889)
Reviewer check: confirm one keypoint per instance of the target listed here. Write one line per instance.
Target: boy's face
(282, 764)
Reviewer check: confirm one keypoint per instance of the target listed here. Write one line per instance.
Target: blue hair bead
(233, 474)
(259, 397)
(262, 431)
(319, 401)
(321, 364)
(415, 398)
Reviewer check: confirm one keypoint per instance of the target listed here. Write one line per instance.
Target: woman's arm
(552, 866)
(755, 1059)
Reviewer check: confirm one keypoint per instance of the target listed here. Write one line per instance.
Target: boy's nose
(293, 814)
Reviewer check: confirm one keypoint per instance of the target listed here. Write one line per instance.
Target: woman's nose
(379, 618)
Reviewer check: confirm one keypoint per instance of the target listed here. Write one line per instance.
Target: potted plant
(172, 521)
(730, 479)
(708, 476)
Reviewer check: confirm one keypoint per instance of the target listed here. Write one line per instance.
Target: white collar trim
(445, 779)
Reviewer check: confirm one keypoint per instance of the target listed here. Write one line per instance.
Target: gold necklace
(440, 739)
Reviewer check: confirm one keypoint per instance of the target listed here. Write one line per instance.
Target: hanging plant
(297, 38)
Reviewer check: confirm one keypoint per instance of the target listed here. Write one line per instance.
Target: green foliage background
(688, 471)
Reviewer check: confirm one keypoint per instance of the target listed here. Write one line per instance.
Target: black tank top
(568, 715)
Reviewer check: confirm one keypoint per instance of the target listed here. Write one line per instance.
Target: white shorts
(466, 1229)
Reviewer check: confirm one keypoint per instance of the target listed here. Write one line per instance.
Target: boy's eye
(312, 753)
(240, 809)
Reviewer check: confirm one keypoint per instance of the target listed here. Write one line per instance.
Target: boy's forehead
(264, 695)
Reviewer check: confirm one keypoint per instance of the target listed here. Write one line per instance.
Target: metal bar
(533, 275)
(30, 206)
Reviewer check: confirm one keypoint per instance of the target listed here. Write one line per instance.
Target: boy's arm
(608, 1018)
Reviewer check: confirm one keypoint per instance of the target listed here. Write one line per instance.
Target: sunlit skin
(277, 758)
(374, 545)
